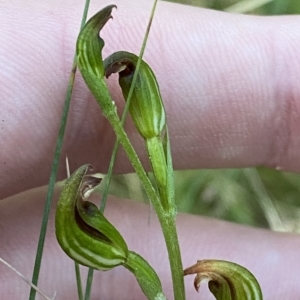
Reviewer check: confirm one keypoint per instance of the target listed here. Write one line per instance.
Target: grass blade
(54, 169)
(265, 201)
(78, 281)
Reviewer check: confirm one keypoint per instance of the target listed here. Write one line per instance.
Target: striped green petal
(81, 229)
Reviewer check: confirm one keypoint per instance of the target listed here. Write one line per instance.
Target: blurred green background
(262, 7)
(258, 197)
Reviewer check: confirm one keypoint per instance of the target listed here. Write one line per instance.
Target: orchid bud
(89, 59)
(82, 230)
(226, 280)
(91, 240)
(146, 106)
(146, 109)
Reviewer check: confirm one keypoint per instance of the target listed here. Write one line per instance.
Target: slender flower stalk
(148, 114)
(89, 46)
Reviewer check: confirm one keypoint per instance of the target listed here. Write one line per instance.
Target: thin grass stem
(25, 279)
(54, 168)
(89, 282)
(265, 201)
(78, 280)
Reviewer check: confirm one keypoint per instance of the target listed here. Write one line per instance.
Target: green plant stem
(126, 108)
(168, 225)
(116, 145)
(78, 280)
(151, 192)
(54, 168)
(157, 158)
(89, 282)
(108, 176)
(161, 161)
(167, 219)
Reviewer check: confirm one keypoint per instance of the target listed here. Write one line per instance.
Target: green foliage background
(258, 197)
(263, 7)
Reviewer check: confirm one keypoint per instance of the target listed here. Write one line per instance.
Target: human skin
(231, 89)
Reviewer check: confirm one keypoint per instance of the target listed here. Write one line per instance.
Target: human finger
(272, 257)
(229, 82)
